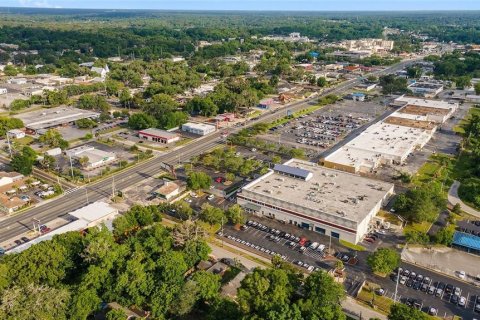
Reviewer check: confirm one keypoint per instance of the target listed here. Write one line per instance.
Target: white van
(314, 246)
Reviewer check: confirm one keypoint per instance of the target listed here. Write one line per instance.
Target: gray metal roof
(292, 171)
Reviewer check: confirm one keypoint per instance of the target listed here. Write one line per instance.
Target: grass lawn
(381, 303)
(420, 227)
(439, 167)
(389, 217)
(352, 246)
(25, 141)
(459, 128)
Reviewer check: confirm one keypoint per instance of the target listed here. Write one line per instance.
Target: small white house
(16, 134)
(3, 91)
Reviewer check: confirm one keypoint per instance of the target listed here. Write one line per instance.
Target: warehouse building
(157, 135)
(433, 110)
(54, 117)
(387, 142)
(96, 158)
(426, 89)
(91, 215)
(201, 129)
(327, 201)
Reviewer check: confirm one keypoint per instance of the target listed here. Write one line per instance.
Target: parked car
(417, 304)
(432, 311)
(314, 245)
(440, 288)
(462, 301)
(380, 291)
(416, 285)
(457, 291)
(454, 299)
(25, 239)
(461, 274)
(211, 197)
(449, 288)
(431, 290)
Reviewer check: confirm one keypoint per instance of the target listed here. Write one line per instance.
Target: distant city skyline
(254, 5)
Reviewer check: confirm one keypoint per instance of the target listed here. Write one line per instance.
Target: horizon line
(244, 10)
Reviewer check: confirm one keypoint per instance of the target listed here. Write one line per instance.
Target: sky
(297, 5)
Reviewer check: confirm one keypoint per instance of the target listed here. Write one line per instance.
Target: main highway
(16, 225)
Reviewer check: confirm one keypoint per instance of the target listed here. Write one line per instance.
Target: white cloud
(36, 3)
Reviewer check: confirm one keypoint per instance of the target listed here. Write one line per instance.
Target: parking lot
(325, 127)
(428, 292)
(264, 241)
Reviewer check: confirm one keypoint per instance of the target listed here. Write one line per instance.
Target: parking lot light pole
(396, 286)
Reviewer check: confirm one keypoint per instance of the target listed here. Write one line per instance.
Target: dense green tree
(23, 161)
(212, 215)
(235, 214)
(199, 180)
(9, 123)
(93, 102)
(32, 302)
(140, 121)
(399, 311)
(54, 139)
(384, 260)
(203, 106)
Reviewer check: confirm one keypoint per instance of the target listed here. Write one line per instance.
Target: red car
(219, 180)
(302, 241)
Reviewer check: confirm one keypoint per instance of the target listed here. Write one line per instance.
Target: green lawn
(419, 227)
(352, 246)
(459, 128)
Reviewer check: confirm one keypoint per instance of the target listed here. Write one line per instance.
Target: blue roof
(466, 240)
(296, 172)
(358, 94)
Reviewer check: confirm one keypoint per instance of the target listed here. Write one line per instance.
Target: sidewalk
(352, 307)
(453, 199)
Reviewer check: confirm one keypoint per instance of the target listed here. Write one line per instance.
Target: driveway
(453, 199)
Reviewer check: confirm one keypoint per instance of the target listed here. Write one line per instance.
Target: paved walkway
(359, 311)
(453, 199)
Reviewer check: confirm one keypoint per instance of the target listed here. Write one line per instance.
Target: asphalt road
(16, 225)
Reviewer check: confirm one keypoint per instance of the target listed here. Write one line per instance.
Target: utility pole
(113, 188)
(71, 165)
(396, 286)
(9, 145)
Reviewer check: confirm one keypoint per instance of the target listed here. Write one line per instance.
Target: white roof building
(381, 143)
(87, 217)
(198, 128)
(313, 197)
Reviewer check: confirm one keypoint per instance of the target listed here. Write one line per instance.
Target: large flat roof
(425, 103)
(328, 192)
(47, 118)
(413, 123)
(422, 110)
(153, 132)
(198, 126)
(377, 141)
(94, 211)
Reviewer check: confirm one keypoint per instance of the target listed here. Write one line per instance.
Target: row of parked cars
(438, 289)
(293, 242)
(257, 247)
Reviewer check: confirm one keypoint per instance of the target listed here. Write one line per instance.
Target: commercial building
(86, 217)
(353, 55)
(201, 129)
(7, 178)
(96, 157)
(433, 110)
(373, 46)
(225, 117)
(169, 190)
(426, 89)
(17, 81)
(157, 135)
(327, 201)
(10, 204)
(381, 143)
(54, 117)
(16, 134)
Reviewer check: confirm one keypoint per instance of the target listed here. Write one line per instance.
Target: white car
(314, 246)
(211, 197)
(461, 274)
(321, 247)
(462, 301)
